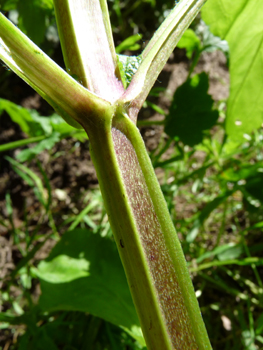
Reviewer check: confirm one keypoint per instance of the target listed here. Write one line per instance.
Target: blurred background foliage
(61, 280)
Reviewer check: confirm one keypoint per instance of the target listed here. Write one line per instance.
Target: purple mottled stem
(153, 242)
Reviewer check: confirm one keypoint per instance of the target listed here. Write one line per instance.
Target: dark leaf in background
(33, 17)
(241, 171)
(254, 186)
(191, 111)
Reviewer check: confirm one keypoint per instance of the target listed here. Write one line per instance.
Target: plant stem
(194, 63)
(149, 248)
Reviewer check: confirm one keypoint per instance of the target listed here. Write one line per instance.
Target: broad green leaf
(202, 40)
(191, 112)
(240, 23)
(48, 4)
(37, 339)
(84, 273)
(44, 122)
(190, 42)
(259, 324)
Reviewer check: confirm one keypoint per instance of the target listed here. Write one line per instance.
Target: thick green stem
(148, 245)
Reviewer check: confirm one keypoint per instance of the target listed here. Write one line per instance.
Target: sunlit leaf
(131, 44)
(190, 42)
(240, 23)
(84, 273)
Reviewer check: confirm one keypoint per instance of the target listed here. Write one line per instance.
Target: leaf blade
(240, 23)
(83, 272)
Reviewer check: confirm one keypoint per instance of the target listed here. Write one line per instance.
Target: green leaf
(254, 187)
(32, 124)
(32, 18)
(84, 273)
(37, 338)
(259, 324)
(44, 122)
(30, 153)
(217, 251)
(21, 116)
(191, 111)
(245, 171)
(190, 42)
(64, 129)
(7, 5)
(48, 4)
(31, 179)
(129, 44)
(231, 253)
(240, 23)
